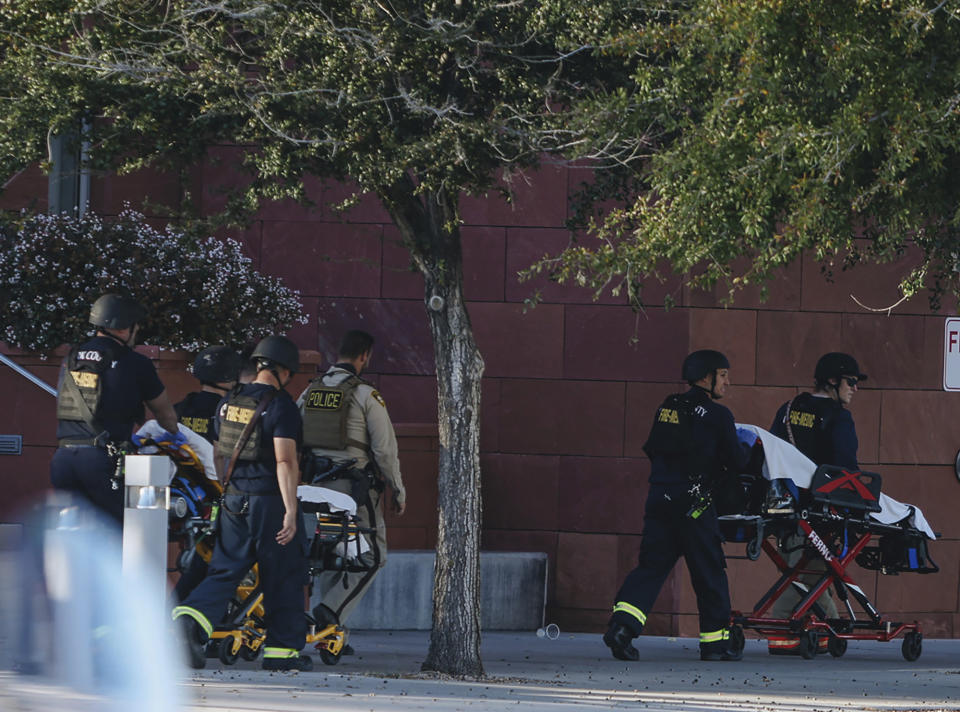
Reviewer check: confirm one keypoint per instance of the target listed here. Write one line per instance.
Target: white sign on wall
(951, 354)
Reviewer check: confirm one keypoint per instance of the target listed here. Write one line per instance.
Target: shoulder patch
(378, 398)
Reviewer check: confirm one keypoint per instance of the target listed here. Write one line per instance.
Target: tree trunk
(428, 226)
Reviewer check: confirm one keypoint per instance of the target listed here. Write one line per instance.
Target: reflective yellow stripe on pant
(624, 607)
(196, 615)
(279, 653)
(715, 636)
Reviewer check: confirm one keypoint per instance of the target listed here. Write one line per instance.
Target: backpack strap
(786, 421)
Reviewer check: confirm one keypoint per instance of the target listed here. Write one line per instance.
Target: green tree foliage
(53, 267)
(415, 102)
(785, 126)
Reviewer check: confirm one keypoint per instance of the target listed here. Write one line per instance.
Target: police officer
(693, 439)
(259, 515)
(347, 427)
(820, 426)
(103, 387)
(217, 368)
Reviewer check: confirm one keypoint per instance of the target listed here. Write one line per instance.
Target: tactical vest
(672, 436)
(81, 387)
(234, 416)
(325, 411)
(809, 420)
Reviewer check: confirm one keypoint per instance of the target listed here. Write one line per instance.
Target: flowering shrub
(196, 292)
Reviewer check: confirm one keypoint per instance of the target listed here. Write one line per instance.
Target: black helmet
(837, 365)
(702, 363)
(114, 311)
(279, 350)
(217, 364)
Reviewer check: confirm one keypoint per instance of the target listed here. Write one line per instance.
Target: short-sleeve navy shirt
(130, 381)
(714, 433)
(280, 419)
(834, 443)
(198, 411)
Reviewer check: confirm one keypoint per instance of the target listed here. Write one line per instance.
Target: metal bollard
(146, 501)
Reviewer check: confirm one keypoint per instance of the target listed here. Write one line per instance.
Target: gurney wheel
(837, 646)
(328, 657)
(249, 654)
(808, 645)
(754, 549)
(737, 641)
(225, 653)
(912, 645)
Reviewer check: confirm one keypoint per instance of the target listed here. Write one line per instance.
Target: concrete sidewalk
(533, 674)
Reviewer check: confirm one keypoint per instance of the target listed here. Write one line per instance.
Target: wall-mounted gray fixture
(11, 444)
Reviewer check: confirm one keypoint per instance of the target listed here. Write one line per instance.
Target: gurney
(338, 544)
(194, 489)
(838, 513)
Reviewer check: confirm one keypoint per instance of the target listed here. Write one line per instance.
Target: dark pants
(669, 534)
(244, 539)
(87, 471)
(191, 577)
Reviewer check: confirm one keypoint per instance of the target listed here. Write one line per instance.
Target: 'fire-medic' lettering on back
(238, 414)
(197, 425)
(802, 419)
(669, 415)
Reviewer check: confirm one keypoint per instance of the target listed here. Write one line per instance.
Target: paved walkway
(537, 674)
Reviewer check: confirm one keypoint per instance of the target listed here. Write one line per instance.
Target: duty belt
(234, 490)
(86, 442)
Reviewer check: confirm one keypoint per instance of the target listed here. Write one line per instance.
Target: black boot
(300, 663)
(619, 639)
(194, 641)
(719, 650)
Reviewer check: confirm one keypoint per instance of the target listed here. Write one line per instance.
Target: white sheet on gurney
(337, 501)
(782, 460)
(199, 444)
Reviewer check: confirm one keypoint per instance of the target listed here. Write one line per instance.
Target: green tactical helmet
(217, 364)
(280, 350)
(114, 311)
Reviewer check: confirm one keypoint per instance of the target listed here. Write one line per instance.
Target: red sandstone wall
(567, 398)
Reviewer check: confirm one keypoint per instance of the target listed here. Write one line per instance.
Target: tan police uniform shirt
(367, 422)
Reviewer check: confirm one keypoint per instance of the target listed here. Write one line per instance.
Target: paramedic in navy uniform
(692, 440)
(108, 385)
(820, 426)
(217, 368)
(259, 516)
